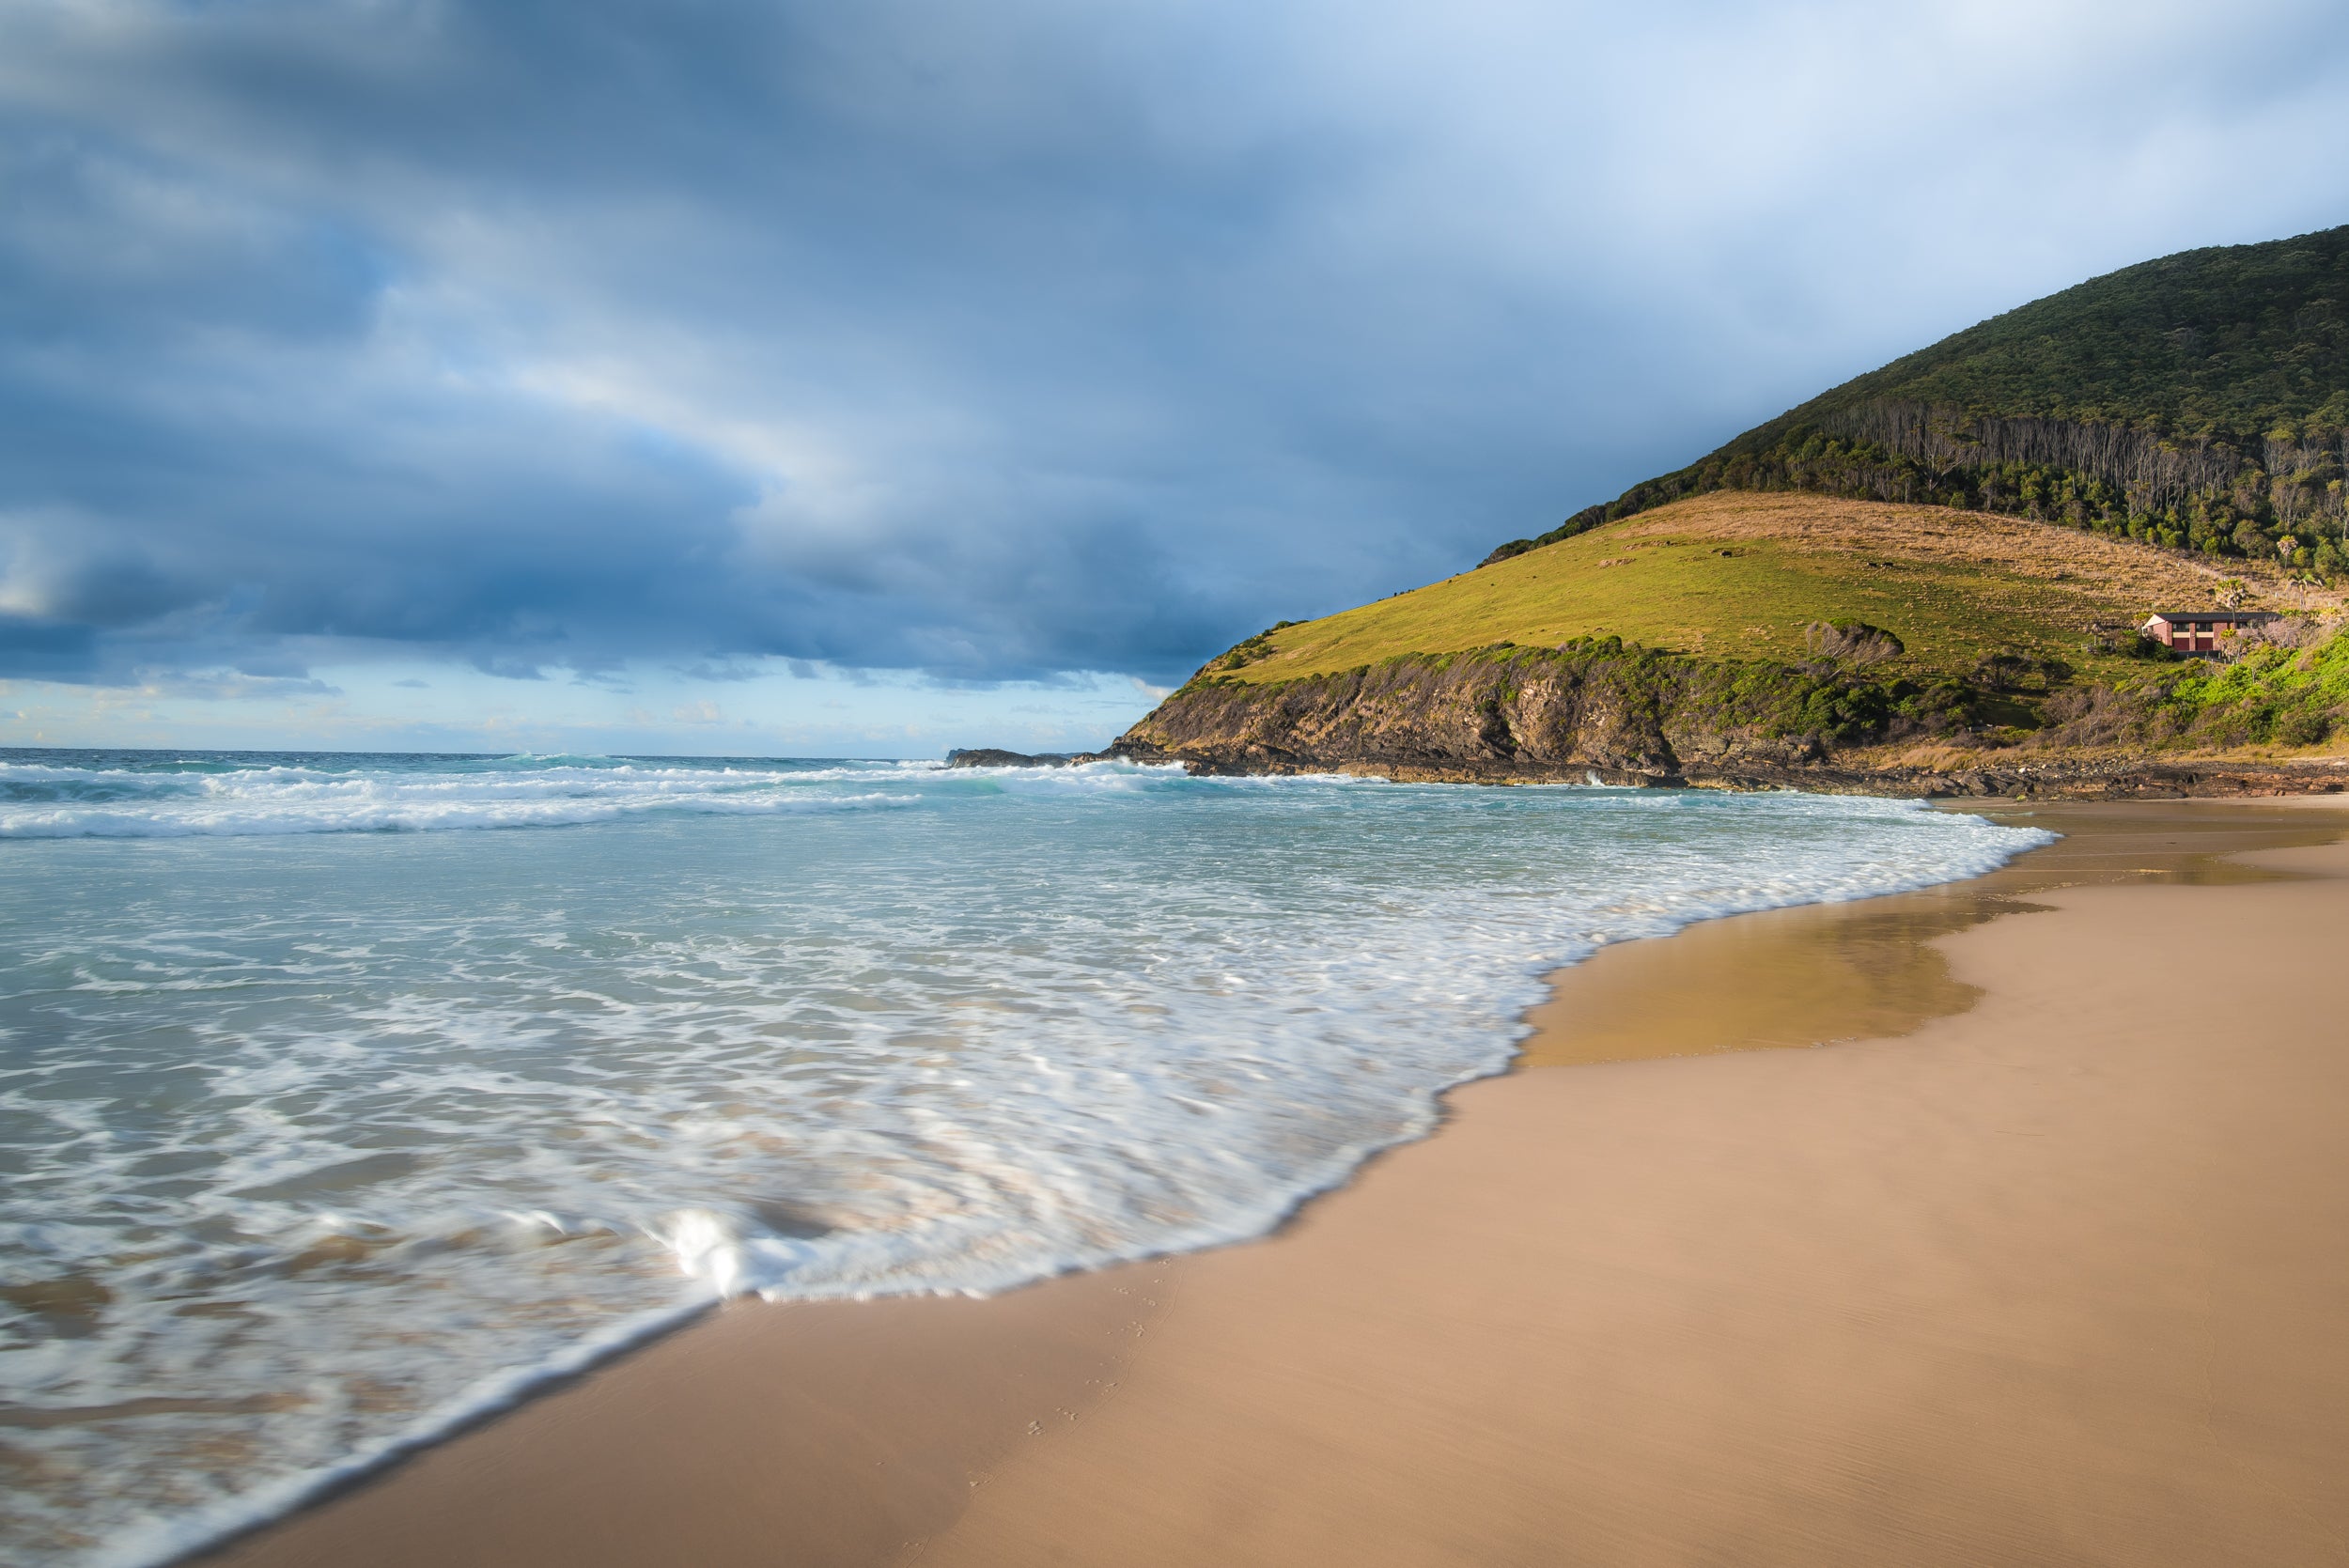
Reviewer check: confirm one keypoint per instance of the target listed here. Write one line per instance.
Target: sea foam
(47, 800)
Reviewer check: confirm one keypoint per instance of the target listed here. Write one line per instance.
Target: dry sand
(2057, 1276)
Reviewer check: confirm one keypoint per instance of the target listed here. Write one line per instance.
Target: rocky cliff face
(1632, 716)
(1625, 713)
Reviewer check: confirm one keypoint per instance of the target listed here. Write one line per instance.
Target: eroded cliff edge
(1621, 714)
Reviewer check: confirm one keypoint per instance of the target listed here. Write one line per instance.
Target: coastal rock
(1622, 715)
(990, 757)
(1604, 713)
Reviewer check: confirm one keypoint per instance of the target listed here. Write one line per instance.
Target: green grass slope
(1743, 576)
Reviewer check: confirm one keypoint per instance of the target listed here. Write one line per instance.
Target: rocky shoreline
(1622, 716)
(2045, 778)
(2111, 778)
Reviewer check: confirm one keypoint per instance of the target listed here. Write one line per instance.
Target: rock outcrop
(1624, 713)
(990, 757)
(1601, 711)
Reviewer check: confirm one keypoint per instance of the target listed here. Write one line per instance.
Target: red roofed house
(2199, 631)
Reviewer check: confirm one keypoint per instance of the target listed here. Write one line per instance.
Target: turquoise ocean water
(342, 1096)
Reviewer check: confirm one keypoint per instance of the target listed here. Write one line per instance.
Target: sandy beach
(2038, 1260)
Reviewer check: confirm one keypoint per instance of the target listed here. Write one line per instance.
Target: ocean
(342, 1098)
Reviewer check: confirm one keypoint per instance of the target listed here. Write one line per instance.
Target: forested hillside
(2198, 402)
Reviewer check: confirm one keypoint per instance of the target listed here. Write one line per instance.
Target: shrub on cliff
(2288, 687)
(2288, 690)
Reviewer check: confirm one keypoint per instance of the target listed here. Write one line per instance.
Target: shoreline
(1895, 770)
(1989, 775)
(852, 1432)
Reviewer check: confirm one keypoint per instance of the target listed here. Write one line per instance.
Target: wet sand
(2041, 1264)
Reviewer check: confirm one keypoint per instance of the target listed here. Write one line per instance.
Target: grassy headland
(1762, 638)
(1743, 576)
(1938, 567)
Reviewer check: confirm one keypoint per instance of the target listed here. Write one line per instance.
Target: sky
(823, 379)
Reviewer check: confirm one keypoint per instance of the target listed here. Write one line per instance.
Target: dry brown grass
(2017, 547)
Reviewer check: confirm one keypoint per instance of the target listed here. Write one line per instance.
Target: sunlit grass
(1739, 576)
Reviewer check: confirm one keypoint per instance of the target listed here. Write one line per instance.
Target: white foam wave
(53, 802)
(417, 817)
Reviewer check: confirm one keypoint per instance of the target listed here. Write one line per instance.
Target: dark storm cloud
(992, 341)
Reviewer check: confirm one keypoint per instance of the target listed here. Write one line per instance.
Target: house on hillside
(2197, 631)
